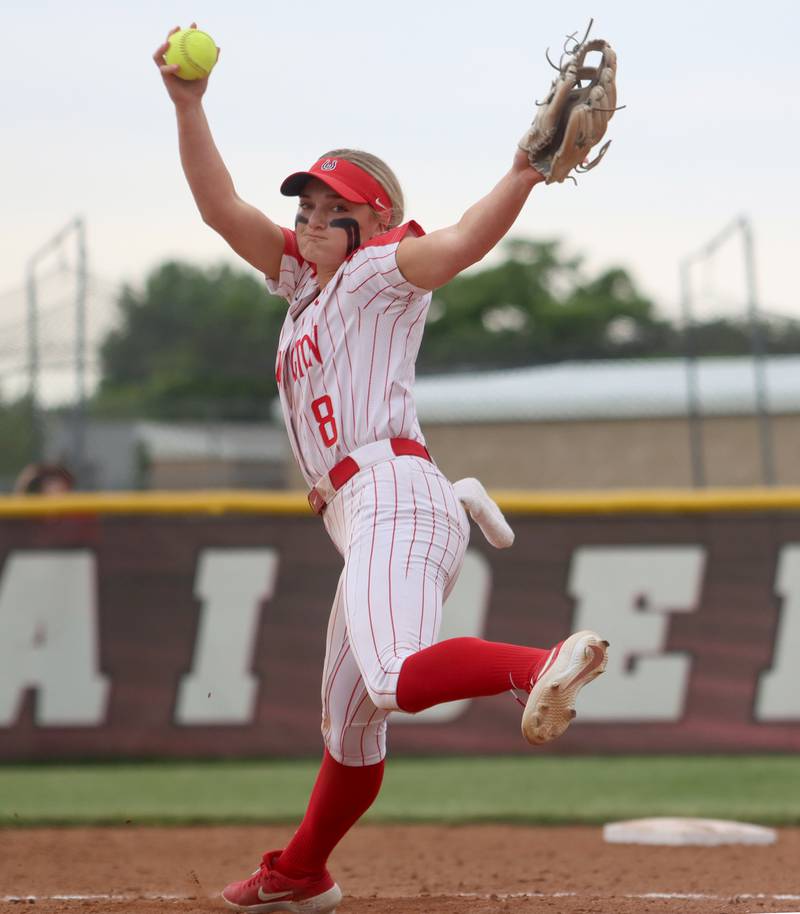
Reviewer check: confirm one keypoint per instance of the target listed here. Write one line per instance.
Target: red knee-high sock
(341, 795)
(465, 668)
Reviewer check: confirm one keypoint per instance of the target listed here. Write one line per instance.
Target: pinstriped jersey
(346, 356)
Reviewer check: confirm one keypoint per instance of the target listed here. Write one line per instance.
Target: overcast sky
(442, 90)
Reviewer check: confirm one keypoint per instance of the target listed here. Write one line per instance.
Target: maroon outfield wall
(103, 618)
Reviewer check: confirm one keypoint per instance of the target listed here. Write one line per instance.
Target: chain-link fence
(51, 328)
(204, 416)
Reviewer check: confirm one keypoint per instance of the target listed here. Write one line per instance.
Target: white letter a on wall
(49, 638)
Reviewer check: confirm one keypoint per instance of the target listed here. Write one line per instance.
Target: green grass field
(546, 790)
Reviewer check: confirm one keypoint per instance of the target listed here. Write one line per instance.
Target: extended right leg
(405, 548)
(469, 667)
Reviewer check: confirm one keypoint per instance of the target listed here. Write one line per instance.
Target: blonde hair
(378, 169)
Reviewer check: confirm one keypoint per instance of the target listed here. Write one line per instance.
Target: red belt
(359, 459)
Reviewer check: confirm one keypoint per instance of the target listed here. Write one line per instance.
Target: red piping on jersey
(291, 248)
(395, 234)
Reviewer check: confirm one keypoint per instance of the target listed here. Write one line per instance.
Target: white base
(681, 831)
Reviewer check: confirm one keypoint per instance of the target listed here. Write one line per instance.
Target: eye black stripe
(353, 232)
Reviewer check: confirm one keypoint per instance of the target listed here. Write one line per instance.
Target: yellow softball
(193, 51)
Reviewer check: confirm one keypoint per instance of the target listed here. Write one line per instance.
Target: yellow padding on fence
(216, 501)
(239, 501)
(650, 501)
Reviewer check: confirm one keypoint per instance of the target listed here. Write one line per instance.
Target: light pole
(742, 226)
(78, 228)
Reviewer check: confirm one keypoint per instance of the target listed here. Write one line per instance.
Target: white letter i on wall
(231, 584)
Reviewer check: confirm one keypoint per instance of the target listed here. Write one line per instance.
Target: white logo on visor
(328, 165)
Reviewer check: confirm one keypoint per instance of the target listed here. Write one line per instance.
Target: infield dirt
(398, 870)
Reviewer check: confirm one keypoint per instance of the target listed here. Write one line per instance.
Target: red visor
(348, 180)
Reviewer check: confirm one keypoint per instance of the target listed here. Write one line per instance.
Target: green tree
(200, 343)
(18, 437)
(193, 343)
(537, 306)
(734, 336)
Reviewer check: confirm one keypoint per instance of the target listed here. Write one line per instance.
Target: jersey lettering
(322, 408)
(304, 352)
(355, 341)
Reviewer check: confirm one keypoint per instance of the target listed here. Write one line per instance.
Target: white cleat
(485, 512)
(550, 708)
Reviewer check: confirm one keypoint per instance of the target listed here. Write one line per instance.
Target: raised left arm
(433, 260)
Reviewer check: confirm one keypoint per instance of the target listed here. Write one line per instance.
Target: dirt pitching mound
(397, 870)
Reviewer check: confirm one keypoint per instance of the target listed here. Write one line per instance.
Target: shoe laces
(515, 690)
(259, 874)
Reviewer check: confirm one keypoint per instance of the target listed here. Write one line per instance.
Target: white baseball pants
(403, 534)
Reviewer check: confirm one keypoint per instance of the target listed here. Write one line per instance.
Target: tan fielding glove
(574, 117)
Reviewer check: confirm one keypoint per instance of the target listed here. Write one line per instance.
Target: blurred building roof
(619, 389)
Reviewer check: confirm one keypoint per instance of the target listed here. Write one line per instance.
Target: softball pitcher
(358, 281)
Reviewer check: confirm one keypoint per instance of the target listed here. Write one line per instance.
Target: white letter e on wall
(626, 594)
